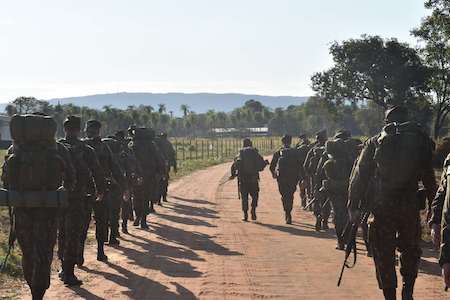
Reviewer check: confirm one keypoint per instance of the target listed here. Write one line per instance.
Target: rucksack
(250, 162)
(399, 156)
(34, 163)
(288, 165)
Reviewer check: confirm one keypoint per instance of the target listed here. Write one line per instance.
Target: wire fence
(219, 148)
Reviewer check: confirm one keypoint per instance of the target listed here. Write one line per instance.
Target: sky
(60, 48)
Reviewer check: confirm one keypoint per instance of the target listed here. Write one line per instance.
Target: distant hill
(198, 102)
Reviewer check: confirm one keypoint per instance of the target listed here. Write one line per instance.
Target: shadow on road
(188, 210)
(292, 229)
(195, 201)
(430, 267)
(185, 220)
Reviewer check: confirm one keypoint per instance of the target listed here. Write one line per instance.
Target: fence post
(203, 143)
(184, 149)
(217, 148)
(196, 149)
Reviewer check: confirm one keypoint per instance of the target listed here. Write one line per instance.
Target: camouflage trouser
(249, 187)
(126, 209)
(140, 201)
(70, 231)
(100, 209)
(287, 189)
(36, 233)
(322, 208)
(303, 188)
(340, 218)
(113, 203)
(395, 227)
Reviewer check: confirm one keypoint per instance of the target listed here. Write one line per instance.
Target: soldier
(47, 166)
(285, 167)
(310, 165)
(385, 180)
(441, 217)
(70, 246)
(246, 168)
(152, 165)
(115, 184)
(303, 147)
(337, 171)
(170, 158)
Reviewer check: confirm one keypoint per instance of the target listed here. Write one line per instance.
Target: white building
(5, 134)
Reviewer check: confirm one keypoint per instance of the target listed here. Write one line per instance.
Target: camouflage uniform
(286, 185)
(441, 213)
(248, 182)
(169, 154)
(106, 212)
(73, 220)
(36, 229)
(304, 187)
(152, 165)
(396, 221)
(337, 170)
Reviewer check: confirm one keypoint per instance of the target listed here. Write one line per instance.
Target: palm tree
(161, 108)
(185, 109)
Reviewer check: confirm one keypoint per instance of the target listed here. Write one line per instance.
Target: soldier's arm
(445, 244)
(69, 169)
(360, 177)
(428, 177)
(273, 163)
(96, 170)
(307, 160)
(438, 202)
(5, 167)
(115, 169)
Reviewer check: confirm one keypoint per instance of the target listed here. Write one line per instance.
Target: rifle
(11, 240)
(239, 188)
(351, 245)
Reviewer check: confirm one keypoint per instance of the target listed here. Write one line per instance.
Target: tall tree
(434, 32)
(185, 109)
(372, 69)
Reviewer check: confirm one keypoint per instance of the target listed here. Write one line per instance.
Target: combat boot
(254, 213)
(113, 241)
(245, 219)
(318, 224)
(101, 252)
(144, 223)
(165, 198)
(151, 209)
(137, 221)
(124, 227)
(288, 218)
(325, 225)
(37, 293)
(69, 277)
(408, 289)
(390, 294)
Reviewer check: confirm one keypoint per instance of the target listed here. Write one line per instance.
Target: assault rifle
(351, 244)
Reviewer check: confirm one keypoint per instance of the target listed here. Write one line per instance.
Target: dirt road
(198, 248)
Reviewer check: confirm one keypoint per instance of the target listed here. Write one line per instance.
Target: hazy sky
(58, 48)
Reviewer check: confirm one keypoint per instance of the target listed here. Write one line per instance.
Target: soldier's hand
(446, 275)
(126, 195)
(436, 235)
(231, 177)
(99, 197)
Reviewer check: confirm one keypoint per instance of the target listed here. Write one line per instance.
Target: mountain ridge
(197, 102)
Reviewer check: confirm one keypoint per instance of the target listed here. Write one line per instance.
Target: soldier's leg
(24, 232)
(61, 236)
(114, 215)
(138, 204)
(302, 188)
(87, 208)
(255, 198)
(244, 200)
(340, 220)
(164, 188)
(125, 214)
(325, 212)
(383, 241)
(409, 232)
(101, 227)
(72, 231)
(317, 208)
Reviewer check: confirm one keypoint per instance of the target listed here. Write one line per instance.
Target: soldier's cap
(286, 139)
(72, 122)
(93, 124)
(321, 134)
(247, 142)
(343, 134)
(397, 114)
(163, 135)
